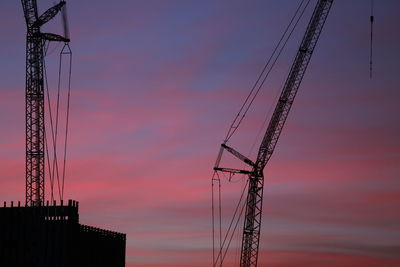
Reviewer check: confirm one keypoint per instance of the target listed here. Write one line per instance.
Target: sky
(155, 86)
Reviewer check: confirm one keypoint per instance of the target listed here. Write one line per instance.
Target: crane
(34, 97)
(254, 201)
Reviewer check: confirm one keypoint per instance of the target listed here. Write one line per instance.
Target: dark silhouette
(254, 201)
(50, 235)
(38, 234)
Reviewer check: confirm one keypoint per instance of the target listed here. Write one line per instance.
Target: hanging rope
(69, 52)
(51, 127)
(54, 124)
(212, 217)
(55, 160)
(48, 165)
(220, 215)
(216, 178)
(264, 73)
(54, 171)
(230, 232)
(371, 39)
(233, 232)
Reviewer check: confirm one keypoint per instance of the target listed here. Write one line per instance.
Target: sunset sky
(155, 86)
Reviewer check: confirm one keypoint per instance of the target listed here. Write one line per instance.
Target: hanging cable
(69, 52)
(54, 172)
(49, 51)
(51, 127)
(252, 95)
(66, 50)
(48, 165)
(220, 215)
(371, 38)
(212, 217)
(233, 231)
(238, 239)
(55, 159)
(46, 47)
(215, 178)
(219, 256)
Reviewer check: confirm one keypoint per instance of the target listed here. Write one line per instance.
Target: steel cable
(219, 256)
(236, 122)
(67, 118)
(51, 127)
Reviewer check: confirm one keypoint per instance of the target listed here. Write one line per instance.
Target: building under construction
(43, 233)
(51, 235)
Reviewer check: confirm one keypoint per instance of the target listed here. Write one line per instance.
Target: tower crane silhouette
(34, 97)
(254, 201)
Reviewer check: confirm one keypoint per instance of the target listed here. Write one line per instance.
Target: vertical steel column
(34, 103)
(34, 97)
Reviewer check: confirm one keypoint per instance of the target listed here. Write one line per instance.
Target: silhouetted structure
(51, 236)
(34, 96)
(254, 201)
(38, 234)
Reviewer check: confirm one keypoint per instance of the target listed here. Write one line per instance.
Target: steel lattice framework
(34, 97)
(254, 201)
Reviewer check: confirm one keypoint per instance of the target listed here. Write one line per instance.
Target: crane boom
(34, 97)
(292, 83)
(252, 221)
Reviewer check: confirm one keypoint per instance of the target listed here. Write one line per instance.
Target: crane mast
(254, 201)
(34, 97)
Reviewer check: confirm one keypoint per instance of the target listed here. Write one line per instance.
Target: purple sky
(155, 87)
